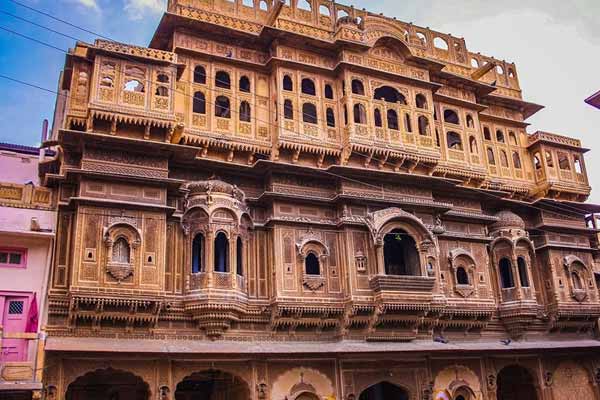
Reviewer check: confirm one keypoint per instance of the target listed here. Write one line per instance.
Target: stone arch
(458, 379)
(379, 29)
(516, 379)
(384, 221)
(109, 381)
(572, 381)
(123, 229)
(301, 381)
(401, 391)
(210, 381)
(224, 215)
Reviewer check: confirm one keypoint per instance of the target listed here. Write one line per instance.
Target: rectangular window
(15, 258)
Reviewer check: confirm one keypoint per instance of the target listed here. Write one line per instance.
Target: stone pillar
(233, 260)
(209, 249)
(380, 259)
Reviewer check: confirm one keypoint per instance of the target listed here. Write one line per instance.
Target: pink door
(14, 321)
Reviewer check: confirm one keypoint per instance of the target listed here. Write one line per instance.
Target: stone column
(380, 259)
(233, 260)
(209, 249)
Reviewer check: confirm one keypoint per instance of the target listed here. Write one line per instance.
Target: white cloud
(91, 4)
(136, 9)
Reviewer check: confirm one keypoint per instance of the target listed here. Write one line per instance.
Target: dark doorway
(212, 385)
(515, 383)
(221, 253)
(384, 391)
(400, 254)
(108, 384)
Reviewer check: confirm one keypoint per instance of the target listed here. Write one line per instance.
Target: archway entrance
(515, 383)
(384, 391)
(400, 254)
(212, 385)
(307, 396)
(108, 384)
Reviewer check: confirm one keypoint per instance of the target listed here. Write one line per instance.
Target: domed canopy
(212, 186)
(507, 220)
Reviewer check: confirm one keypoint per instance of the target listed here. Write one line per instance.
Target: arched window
(358, 87)
(360, 114)
(422, 38)
(222, 80)
(288, 84)
(454, 141)
(377, 118)
(248, 3)
(199, 103)
(245, 111)
(392, 119)
(288, 109)
(239, 257)
(470, 121)
(308, 87)
(512, 138)
(400, 254)
(421, 101)
(162, 91)
(549, 159)
(462, 278)
(499, 136)
(537, 163)
(576, 281)
(328, 91)
(198, 254)
(244, 84)
(516, 160)
(407, 123)
(309, 113)
(522, 267)
(563, 162)
(486, 133)
(451, 117)
(390, 95)
(324, 10)
(133, 85)
(312, 266)
(263, 5)
(222, 107)
(473, 145)
(440, 43)
(120, 251)
(345, 115)
(437, 138)
(577, 163)
(503, 159)
(304, 5)
(221, 253)
(474, 63)
(330, 117)
(423, 125)
(491, 157)
(200, 75)
(506, 274)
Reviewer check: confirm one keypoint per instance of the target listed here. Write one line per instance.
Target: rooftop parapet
(553, 138)
(331, 22)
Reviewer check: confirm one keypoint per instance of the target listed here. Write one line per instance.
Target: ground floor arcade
(228, 373)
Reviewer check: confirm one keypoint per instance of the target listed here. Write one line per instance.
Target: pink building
(27, 220)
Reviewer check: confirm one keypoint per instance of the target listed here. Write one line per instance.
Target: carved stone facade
(302, 200)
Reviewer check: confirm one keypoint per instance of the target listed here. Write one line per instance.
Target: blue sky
(555, 43)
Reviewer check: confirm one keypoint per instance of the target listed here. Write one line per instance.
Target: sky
(554, 43)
